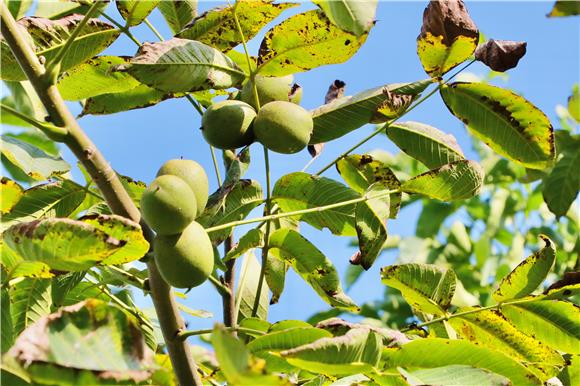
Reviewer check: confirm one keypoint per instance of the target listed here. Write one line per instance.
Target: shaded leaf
(315, 268)
(564, 8)
(95, 77)
(454, 375)
(490, 329)
(62, 244)
(218, 29)
(432, 217)
(500, 55)
(454, 181)
(47, 38)
(303, 42)
(180, 65)
(135, 11)
(18, 8)
(343, 115)
(350, 15)
(178, 13)
(112, 346)
(248, 288)
(253, 239)
(297, 191)
(445, 352)
(361, 171)
(6, 327)
(32, 161)
(358, 350)
(287, 339)
(127, 232)
(30, 300)
(230, 203)
(11, 194)
(23, 99)
(528, 275)
(506, 122)
(427, 288)
(448, 37)
(275, 274)
(62, 285)
(57, 199)
(430, 146)
(561, 186)
(554, 322)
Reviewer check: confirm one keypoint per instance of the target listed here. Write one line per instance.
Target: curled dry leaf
(500, 55)
(335, 91)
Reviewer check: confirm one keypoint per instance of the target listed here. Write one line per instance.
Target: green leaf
(237, 165)
(432, 217)
(135, 11)
(127, 232)
(509, 124)
(303, 42)
(60, 8)
(18, 8)
(528, 275)
(561, 187)
(253, 239)
(30, 300)
(275, 274)
(47, 37)
(6, 327)
(218, 29)
(361, 171)
(62, 244)
(136, 98)
(490, 329)
(350, 15)
(448, 37)
(454, 181)
(297, 191)
(112, 346)
(370, 218)
(564, 8)
(56, 199)
(437, 352)
(62, 285)
(11, 194)
(553, 322)
(180, 65)
(248, 288)
(287, 339)
(32, 161)
(95, 77)
(454, 375)
(23, 99)
(312, 266)
(428, 145)
(359, 350)
(230, 203)
(343, 115)
(426, 287)
(15, 266)
(178, 13)
(574, 101)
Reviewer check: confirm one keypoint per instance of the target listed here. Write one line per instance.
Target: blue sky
(138, 142)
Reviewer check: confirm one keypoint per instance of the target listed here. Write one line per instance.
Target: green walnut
(193, 174)
(272, 89)
(168, 205)
(228, 124)
(184, 260)
(283, 127)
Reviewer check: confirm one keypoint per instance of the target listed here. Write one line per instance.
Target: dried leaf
(500, 55)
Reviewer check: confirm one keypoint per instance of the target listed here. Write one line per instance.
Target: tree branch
(113, 191)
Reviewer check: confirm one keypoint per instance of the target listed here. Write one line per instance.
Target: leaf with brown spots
(315, 268)
(218, 29)
(529, 274)
(303, 42)
(509, 124)
(500, 55)
(448, 36)
(457, 180)
(135, 11)
(353, 16)
(11, 193)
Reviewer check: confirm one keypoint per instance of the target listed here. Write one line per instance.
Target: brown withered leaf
(335, 91)
(500, 55)
(448, 19)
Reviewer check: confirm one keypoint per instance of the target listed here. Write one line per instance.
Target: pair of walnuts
(281, 124)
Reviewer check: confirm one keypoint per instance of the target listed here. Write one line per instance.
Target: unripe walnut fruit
(283, 127)
(272, 89)
(184, 260)
(193, 174)
(228, 124)
(168, 205)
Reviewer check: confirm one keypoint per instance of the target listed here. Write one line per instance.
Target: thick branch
(113, 191)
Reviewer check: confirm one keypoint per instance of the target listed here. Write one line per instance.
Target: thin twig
(187, 333)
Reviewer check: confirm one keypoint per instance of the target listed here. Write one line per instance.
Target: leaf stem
(53, 132)
(220, 287)
(187, 333)
(299, 212)
(153, 29)
(109, 184)
(216, 166)
(122, 28)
